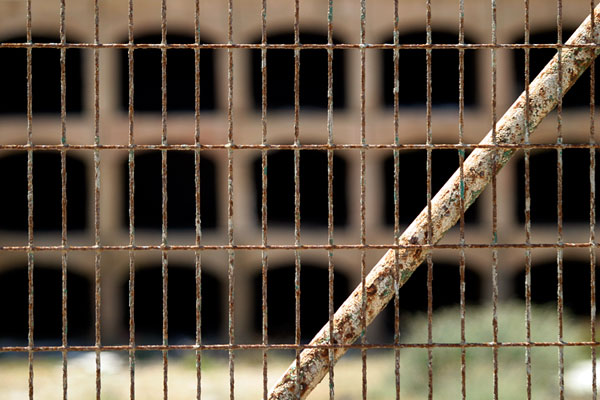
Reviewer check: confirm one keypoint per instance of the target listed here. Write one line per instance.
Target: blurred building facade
(108, 116)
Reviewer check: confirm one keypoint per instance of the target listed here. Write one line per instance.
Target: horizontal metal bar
(237, 247)
(291, 46)
(353, 146)
(290, 346)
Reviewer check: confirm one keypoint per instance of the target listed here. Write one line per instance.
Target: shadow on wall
(180, 76)
(412, 72)
(314, 207)
(445, 292)
(47, 306)
(544, 187)
(412, 175)
(579, 95)
(45, 78)
(313, 74)
(47, 192)
(544, 285)
(181, 190)
(181, 295)
(281, 301)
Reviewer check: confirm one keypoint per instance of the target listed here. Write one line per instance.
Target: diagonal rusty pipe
(478, 169)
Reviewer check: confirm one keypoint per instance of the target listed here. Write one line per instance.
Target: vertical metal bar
(330, 193)
(198, 198)
(264, 210)
(97, 255)
(297, 262)
(527, 210)
(494, 206)
(429, 142)
(63, 181)
(461, 159)
(30, 254)
(231, 254)
(164, 154)
(592, 236)
(363, 184)
(396, 60)
(131, 200)
(559, 206)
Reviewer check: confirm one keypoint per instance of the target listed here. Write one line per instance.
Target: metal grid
(329, 349)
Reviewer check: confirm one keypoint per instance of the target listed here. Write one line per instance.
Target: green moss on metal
(405, 274)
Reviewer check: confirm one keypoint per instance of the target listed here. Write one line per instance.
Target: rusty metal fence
(345, 330)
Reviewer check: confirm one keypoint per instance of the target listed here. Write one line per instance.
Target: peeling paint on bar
(479, 168)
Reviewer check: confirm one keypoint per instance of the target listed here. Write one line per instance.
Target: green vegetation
(479, 361)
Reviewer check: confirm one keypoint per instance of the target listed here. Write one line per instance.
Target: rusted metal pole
(478, 170)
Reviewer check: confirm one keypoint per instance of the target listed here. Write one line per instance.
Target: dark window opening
(412, 69)
(412, 198)
(313, 74)
(445, 290)
(45, 78)
(47, 306)
(314, 209)
(47, 192)
(578, 96)
(181, 76)
(576, 285)
(181, 304)
(543, 186)
(181, 191)
(281, 303)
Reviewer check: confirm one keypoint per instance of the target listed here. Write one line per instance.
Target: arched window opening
(47, 192)
(579, 95)
(543, 186)
(576, 285)
(47, 306)
(181, 190)
(181, 76)
(412, 198)
(445, 290)
(313, 74)
(445, 77)
(181, 304)
(281, 303)
(314, 209)
(45, 78)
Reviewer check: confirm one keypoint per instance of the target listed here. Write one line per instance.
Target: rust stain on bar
(478, 169)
